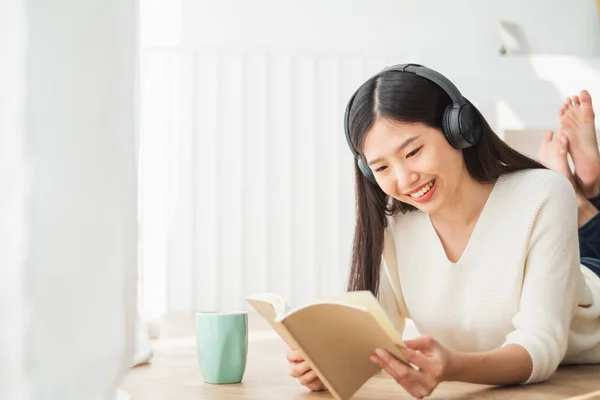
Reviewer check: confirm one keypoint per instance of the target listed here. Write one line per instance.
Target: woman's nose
(406, 178)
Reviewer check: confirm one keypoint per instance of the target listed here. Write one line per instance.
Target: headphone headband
(459, 120)
(444, 83)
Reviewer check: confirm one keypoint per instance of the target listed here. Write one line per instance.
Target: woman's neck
(466, 204)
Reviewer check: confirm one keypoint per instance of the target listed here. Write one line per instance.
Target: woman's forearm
(504, 366)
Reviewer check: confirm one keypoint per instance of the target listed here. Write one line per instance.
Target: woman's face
(414, 163)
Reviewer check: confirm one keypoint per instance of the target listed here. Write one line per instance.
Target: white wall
(459, 38)
(248, 180)
(456, 29)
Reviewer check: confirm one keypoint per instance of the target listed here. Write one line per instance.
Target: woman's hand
(303, 372)
(432, 358)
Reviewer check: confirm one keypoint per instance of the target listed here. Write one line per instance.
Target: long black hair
(405, 97)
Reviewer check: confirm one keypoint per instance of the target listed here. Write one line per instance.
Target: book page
(279, 305)
(269, 309)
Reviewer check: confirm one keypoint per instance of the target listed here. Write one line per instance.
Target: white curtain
(68, 214)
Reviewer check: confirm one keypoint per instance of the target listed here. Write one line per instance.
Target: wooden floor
(173, 374)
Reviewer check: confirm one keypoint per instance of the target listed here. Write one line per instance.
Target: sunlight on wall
(563, 71)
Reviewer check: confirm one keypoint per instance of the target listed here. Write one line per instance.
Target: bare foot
(577, 122)
(553, 154)
(585, 211)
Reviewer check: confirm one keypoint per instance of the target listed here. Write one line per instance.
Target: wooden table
(174, 374)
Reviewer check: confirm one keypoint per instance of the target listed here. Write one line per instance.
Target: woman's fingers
(300, 369)
(423, 343)
(303, 372)
(315, 385)
(394, 367)
(416, 383)
(419, 359)
(294, 355)
(308, 377)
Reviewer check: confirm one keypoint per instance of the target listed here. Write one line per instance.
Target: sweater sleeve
(549, 292)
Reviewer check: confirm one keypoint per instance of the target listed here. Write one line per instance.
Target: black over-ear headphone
(460, 122)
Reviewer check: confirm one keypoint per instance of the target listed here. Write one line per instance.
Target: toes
(569, 121)
(586, 99)
(575, 100)
(562, 144)
(566, 107)
(562, 110)
(586, 105)
(544, 146)
(569, 102)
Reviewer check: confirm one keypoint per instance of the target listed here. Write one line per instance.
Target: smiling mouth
(421, 192)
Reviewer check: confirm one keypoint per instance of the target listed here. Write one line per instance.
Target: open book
(336, 336)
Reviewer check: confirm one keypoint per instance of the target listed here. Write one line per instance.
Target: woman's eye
(380, 169)
(412, 153)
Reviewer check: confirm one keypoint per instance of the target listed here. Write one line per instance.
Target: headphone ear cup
(448, 127)
(366, 171)
(460, 125)
(469, 124)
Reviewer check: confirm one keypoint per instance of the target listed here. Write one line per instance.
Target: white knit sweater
(518, 280)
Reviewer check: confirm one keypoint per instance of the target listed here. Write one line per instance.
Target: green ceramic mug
(222, 345)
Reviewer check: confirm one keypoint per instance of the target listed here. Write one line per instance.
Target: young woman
(473, 241)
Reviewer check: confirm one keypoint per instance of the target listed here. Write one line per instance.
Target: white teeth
(422, 191)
